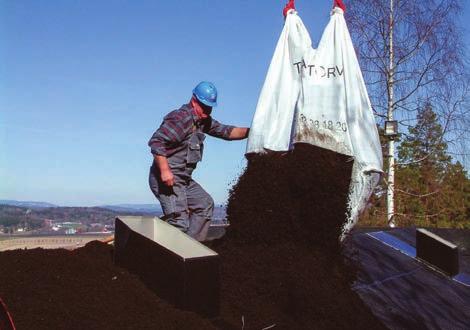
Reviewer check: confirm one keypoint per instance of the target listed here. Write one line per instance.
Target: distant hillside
(153, 209)
(11, 215)
(28, 204)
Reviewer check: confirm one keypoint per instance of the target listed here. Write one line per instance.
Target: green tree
(456, 197)
(431, 190)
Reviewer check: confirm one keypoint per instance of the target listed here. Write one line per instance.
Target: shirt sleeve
(170, 134)
(218, 130)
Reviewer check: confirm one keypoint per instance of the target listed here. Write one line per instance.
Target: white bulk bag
(318, 96)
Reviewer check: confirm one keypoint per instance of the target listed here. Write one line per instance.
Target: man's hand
(165, 172)
(239, 133)
(167, 178)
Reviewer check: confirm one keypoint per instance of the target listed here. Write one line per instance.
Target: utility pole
(391, 142)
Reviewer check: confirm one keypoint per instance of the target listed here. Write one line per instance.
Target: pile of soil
(281, 262)
(82, 289)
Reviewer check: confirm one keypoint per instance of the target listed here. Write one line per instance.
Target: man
(177, 147)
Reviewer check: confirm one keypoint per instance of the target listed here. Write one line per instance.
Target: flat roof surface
(406, 293)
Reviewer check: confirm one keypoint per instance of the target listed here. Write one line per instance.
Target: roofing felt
(404, 292)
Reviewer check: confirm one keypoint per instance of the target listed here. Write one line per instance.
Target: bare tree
(412, 54)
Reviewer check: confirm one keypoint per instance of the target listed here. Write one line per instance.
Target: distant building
(48, 223)
(70, 231)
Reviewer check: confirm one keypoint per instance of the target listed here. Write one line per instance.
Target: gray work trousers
(186, 205)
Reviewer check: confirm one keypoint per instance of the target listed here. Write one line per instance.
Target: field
(46, 242)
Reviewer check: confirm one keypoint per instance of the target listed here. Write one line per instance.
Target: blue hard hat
(206, 93)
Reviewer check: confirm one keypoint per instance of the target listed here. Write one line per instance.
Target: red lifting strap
(6, 321)
(340, 4)
(290, 5)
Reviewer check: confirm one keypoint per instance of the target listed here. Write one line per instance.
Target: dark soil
(82, 289)
(281, 263)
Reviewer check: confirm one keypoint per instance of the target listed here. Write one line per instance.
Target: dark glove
(290, 5)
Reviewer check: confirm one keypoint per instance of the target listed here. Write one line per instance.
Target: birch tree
(412, 54)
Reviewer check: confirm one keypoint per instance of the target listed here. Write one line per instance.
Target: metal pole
(391, 142)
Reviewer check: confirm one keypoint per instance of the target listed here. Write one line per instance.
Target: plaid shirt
(178, 125)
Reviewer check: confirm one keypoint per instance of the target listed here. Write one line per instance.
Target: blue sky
(83, 85)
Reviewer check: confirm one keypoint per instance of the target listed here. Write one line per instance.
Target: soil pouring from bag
(281, 262)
